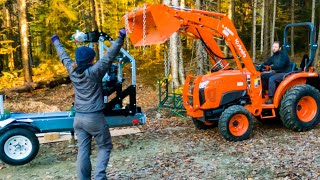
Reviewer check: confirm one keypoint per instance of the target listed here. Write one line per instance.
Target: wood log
(38, 85)
(51, 136)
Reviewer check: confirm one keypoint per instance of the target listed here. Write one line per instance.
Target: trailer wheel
(18, 146)
(236, 123)
(300, 108)
(204, 125)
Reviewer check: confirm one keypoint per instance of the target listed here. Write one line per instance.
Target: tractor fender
(290, 81)
(20, 124)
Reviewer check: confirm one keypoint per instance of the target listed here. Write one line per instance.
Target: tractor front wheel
(204, 125)
(300, 108)
(236, 123)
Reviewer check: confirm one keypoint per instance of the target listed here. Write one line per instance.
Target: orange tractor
(230, 98)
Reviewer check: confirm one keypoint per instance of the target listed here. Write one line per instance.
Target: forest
(27, 55)
(168, 143)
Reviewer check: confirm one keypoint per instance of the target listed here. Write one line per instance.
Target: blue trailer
(18, 141)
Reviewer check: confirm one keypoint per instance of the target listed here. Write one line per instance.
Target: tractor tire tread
(224, 121)
(288, 103)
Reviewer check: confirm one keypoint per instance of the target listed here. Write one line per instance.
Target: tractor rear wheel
(204, 125)
(300, 108)
(236, 123)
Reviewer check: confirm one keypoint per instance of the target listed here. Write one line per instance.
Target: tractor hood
(218, 85)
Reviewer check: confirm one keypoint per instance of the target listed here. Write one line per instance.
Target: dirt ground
(170, 147)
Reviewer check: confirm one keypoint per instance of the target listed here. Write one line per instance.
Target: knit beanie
(84, 55)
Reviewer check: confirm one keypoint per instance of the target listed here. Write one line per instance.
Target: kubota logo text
(240, 48)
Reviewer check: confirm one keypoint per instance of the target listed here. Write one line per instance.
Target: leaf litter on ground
(169, 147)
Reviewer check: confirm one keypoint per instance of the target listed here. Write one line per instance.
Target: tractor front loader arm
(154, 24)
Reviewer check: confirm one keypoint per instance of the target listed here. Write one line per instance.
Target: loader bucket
(160, 24)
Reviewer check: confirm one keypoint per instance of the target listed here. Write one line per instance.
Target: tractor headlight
(203, 84)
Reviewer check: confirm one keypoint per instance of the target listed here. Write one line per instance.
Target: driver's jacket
(279, 62)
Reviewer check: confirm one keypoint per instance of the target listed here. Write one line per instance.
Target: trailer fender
(23, 123)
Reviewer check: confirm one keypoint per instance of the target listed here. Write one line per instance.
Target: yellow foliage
(10, 79)
(179, 90)
(2, 1)
(70, 14)
(46, 71)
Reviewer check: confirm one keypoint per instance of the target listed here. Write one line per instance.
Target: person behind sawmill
(89, 121)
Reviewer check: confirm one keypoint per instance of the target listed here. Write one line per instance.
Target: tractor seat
(293, 70)
(304, 62)
(293, 66)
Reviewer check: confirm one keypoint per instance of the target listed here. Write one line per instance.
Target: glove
(122, 33)
(54, 38)
(260, 67)
(80, 36)
(267, 68)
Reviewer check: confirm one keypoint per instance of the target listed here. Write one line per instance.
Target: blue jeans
(270, 80)
(86, 126)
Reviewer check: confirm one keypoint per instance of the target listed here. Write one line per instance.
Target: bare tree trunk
(292, 28)
(174, 55)
(233, 10)
(102, 15)
(231, 17)
(24, 41)
(10, 62)
(273, 22)
(201, 54)
(93, 15)
(94, 24)
(167, 2)
(182, 3)
(262, 26)
(97, 15)
(219, 10)
(158, 51)
(254, 43)
(201, 58)
(266, 36)
(313, 11)
(180, 63)
(30, 50)
(13, 9)
(167, 55)
(7, 14)
(82, 22)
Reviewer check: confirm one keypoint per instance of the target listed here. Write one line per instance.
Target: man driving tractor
(278, 65)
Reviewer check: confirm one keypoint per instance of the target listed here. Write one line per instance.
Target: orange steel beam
(162, 21)
(190, 20)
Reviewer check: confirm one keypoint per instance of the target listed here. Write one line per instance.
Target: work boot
(269, 101)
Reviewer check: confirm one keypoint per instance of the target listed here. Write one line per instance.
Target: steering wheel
(259, 67)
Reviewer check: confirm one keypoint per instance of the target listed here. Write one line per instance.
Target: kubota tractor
(230, 98)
